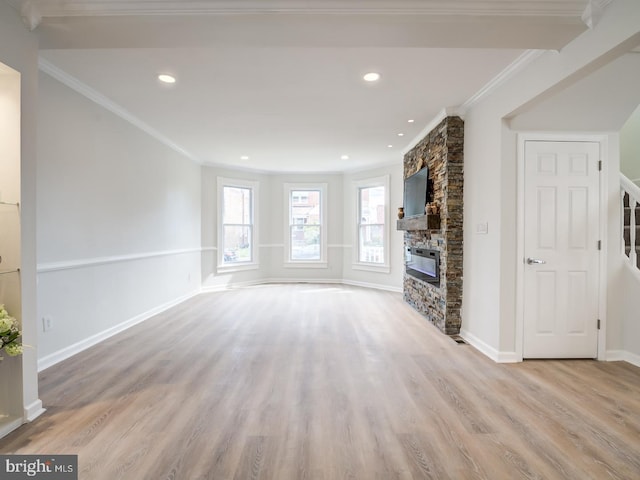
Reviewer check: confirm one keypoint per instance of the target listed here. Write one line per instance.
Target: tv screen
(416, 193)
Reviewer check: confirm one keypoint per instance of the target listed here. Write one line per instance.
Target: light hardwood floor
(292, 382)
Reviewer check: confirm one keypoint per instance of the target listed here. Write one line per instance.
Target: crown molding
(71, 8)
(593, 12)
(514, 67)
(96, 97)
(435, 121)
(29, 11)
(460, 111)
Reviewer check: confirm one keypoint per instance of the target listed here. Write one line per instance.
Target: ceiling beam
(70, 8)
(299, 31)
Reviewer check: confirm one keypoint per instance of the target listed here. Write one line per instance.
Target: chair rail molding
(91, 262)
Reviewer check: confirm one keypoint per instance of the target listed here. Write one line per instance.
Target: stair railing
(629, 190)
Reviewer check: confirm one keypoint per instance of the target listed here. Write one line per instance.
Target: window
(372, 210)
(237, 213)
(300, 198)
(306, 228)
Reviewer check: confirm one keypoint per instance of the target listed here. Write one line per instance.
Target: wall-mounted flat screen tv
(416, 193)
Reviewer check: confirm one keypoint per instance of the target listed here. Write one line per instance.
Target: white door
(561, 249)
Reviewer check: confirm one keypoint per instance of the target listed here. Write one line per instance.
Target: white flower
(6, 324)
(13, 349)
(9, 334)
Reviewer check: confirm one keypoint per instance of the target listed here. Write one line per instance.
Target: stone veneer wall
(442, 151)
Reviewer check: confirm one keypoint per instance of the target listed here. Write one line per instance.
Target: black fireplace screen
(424, 264)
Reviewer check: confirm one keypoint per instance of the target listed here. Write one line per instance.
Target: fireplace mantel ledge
(423, 222)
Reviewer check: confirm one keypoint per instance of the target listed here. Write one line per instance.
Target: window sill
(371, 267)
(240, 267)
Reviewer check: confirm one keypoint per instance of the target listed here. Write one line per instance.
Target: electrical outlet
(47, 324)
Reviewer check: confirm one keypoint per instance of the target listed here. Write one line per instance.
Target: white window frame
(254, 263)
(288, 202)
(356, 187)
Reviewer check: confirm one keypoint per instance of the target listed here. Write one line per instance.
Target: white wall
(278, 219)
(123, 219)
(19, 50)
(629, 347)
(392, 280)
(600, 102)
(630, 145)
(482, 205)
(625, 280)
(490, 172)
(584, 106)
(118, 222)
(211, 279)
(623, 328)
(271, 230)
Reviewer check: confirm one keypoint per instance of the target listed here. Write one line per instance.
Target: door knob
(532, 261)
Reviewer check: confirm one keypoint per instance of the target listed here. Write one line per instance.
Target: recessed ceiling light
(166, 78)
(410, 121)
(372, 77)
(401, 134)
(389, 146)
(344, 157)
(244, 157)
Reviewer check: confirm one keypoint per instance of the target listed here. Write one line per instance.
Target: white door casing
(561, 229)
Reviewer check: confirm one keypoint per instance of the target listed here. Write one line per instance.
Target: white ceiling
(600, 102)
(281, 81)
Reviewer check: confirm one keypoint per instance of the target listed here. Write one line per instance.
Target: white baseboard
(229, 286)
(511, 357)
(374, 286)
(325, 281)
(9, 424)
(63, 354)
(33, 411)
(623, 355)
(495, 355)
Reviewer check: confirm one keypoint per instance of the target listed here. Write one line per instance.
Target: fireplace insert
(424, 264)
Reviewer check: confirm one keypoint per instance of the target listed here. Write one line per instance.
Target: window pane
(305, 207)
(237, 205)
(372, 205)
(237, 244)
(372, 243)
(305, 242)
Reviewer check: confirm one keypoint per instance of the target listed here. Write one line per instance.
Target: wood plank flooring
(323, 382)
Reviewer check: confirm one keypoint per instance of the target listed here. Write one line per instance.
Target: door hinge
(598, 324)
(599, 244)
(599, 165)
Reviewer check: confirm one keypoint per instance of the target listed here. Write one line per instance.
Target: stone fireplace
(440, 235)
